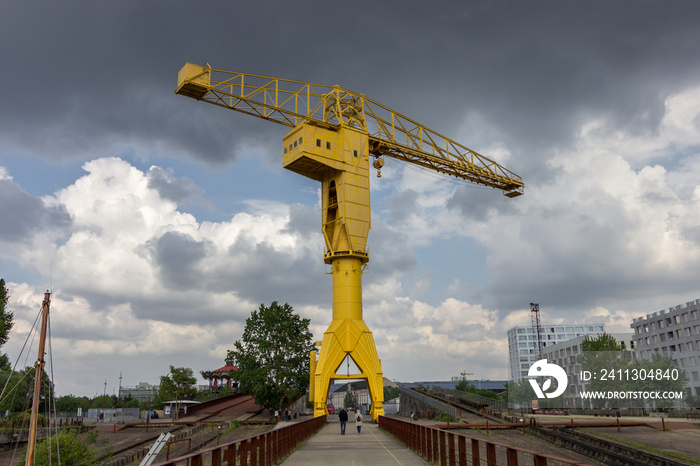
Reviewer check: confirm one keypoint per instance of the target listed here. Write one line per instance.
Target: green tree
(20, 389)
(273, 355)
(73, 451)
(104, 401)
(520, 392)
(390, 392)
(465, 386)
(603, 358)
(71, 403)
(602, 342)
(176, 386)
(6, 323)
(349, 401)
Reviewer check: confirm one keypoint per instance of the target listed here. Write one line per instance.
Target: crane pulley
(334, 133)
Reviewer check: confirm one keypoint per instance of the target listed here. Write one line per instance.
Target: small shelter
(221, 377)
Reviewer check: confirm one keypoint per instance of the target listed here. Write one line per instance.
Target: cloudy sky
(159, 223)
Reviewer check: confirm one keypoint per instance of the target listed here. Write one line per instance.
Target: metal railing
(267, 449)
(445, 448)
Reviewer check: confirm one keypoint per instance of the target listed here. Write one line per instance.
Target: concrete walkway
(372, 447)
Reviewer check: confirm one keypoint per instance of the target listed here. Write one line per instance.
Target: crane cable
(2, 394)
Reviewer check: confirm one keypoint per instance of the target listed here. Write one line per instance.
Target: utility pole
(105, 391)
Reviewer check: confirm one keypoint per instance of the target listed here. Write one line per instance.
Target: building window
(355, 153)
(295, 143)
(328, 145)
(300, 141)
(285, 150)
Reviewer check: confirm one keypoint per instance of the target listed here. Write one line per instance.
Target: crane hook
(378, 164)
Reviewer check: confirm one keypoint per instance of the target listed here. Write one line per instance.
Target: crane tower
(334, 132)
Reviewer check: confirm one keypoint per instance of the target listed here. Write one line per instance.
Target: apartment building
(522, 343)
(674, 331)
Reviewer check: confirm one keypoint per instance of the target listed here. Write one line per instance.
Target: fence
(444, 448)
(265, 449)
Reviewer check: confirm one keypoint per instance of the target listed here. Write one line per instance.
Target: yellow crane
(334, 133)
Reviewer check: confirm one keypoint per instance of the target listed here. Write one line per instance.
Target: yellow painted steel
(290, 103)
(339, 159)
(334, 132)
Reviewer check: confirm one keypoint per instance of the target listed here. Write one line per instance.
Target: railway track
(601, 450)
(606, 452)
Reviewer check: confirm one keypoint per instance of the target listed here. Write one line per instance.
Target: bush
(73, 452)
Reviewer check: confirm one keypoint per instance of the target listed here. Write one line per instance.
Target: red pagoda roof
(226, 368)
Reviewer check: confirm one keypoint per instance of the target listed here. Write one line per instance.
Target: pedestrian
(277, 413)
(286, 415)
(358, 421)
(343, 417)
(102, 415)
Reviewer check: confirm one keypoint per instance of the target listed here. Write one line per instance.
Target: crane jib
(291, 103)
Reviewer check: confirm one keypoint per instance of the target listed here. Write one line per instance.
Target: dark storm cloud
(104, 73)
(23, 215)
(170, 188)
(481, 203)
(177, 256)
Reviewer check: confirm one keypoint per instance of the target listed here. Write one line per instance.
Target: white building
(522, 343)
(565, 355)
(674, 331)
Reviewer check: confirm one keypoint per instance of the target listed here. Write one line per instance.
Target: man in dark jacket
(343, 417)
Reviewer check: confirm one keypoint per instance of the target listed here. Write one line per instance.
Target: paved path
(372, 447)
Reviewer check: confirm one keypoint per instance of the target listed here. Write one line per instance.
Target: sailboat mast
(39, 370)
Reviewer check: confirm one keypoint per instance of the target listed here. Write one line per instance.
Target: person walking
(358, 421)
(343, 417)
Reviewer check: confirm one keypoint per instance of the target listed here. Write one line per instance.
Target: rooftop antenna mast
(536, 327)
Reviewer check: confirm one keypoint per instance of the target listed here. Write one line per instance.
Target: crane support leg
(348, 335)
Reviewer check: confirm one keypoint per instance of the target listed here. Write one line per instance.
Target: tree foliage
(6, 316)
(273, 355)
(177, 385)
(6, 323)
(73, 451)
(349, 401)
(390, 392)
(602, 342)
(19, 392)
(520, 392)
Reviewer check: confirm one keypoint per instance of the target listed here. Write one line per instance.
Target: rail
(438, 405)
(444, 448)
(269, 448)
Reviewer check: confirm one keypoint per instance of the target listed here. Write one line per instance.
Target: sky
(159, 223)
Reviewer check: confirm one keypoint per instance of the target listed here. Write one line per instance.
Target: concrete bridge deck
(371, 447)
